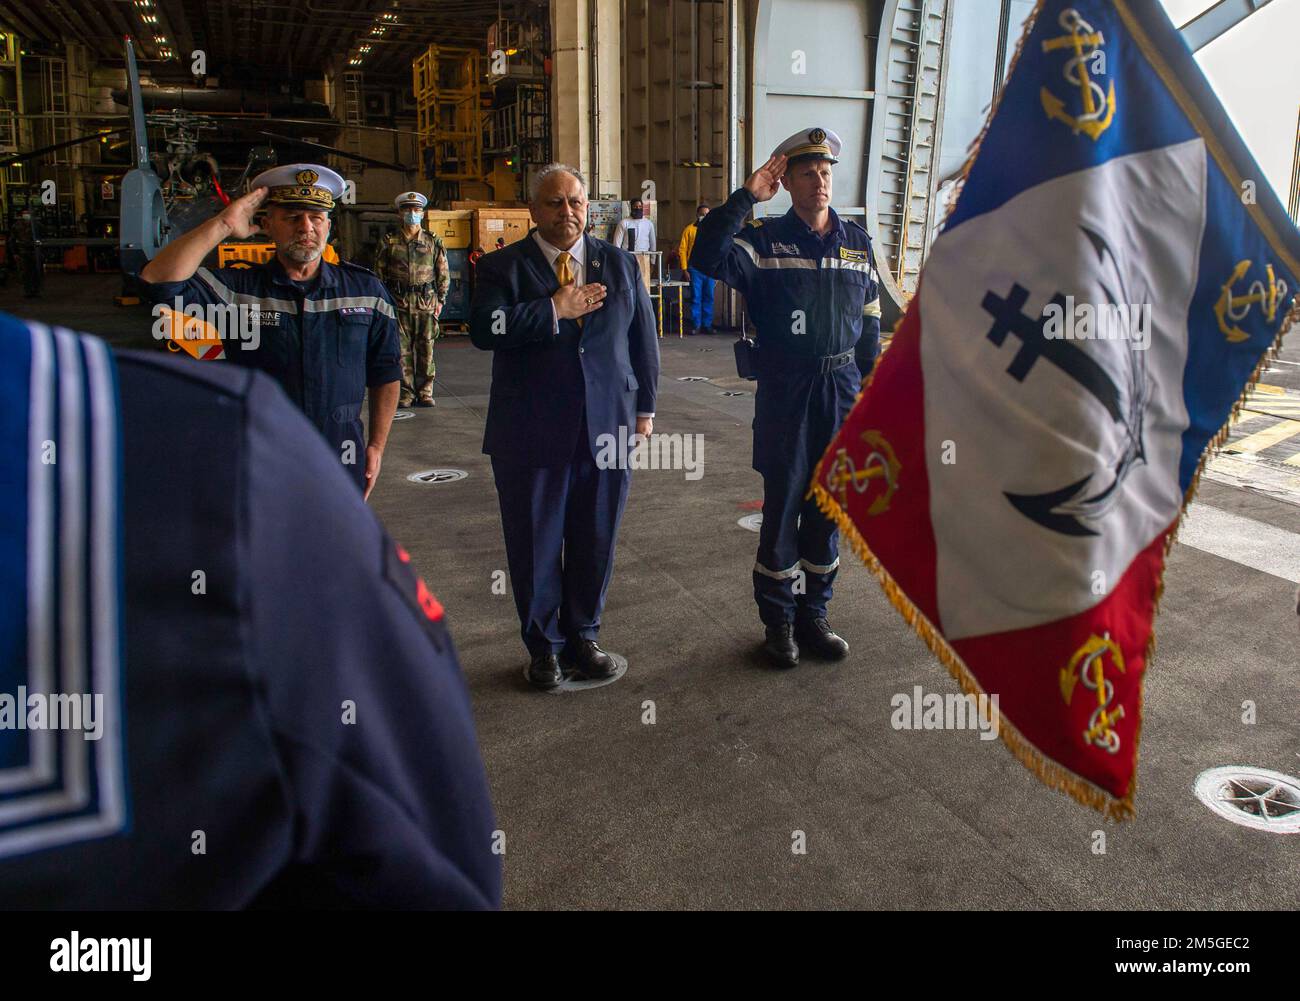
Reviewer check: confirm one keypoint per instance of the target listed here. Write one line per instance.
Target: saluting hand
(573, 301)
(765, 182)
(238, 215)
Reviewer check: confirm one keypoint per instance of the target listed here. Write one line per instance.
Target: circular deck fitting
(692, 378)
(403, 415)
(438, 476)
(1252, 797)
(573, 684)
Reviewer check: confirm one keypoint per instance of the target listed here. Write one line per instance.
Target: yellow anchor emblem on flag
(879, 463)
(1098, 105)
(1087, 665)
(1229, 308)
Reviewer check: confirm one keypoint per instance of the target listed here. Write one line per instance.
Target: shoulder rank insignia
(755, 223)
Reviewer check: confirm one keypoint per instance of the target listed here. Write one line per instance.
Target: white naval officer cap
(410, 198)
(819, 143)
(306, 184)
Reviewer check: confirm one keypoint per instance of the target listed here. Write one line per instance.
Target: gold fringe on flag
(1048, 771)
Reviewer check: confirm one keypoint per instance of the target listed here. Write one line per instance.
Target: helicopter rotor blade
(33, 154)
(330, 123)
(340, 152)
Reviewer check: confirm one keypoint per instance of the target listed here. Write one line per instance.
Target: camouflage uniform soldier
(413, 265)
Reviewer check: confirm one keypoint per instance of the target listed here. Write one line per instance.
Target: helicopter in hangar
(166, 193)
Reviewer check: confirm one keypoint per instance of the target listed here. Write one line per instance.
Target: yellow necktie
(564, 272)
(563, 269)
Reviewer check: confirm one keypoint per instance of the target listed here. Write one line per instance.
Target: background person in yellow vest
(701, 284)
(412, 264)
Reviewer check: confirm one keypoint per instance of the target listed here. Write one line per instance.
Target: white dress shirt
(577, 263)
(577, 256)
(642, 230)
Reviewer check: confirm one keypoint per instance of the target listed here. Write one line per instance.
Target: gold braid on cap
(304, 192)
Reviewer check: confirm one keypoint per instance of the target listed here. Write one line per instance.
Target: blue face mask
(412, 218)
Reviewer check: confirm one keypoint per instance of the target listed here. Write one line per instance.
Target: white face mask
(412, 218)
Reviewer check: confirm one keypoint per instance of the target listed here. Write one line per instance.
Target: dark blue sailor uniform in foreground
(815, 302)
(285, 721)
(325, 341)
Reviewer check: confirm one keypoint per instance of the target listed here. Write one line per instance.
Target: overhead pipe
(223, 99)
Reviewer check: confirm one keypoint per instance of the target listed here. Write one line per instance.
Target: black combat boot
(780, 646)
(817, 637)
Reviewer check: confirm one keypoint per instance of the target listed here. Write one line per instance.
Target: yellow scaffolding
(448, 111)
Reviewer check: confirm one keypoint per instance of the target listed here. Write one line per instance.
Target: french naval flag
(1110, 281)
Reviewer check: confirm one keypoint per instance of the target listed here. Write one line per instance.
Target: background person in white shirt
(636, 233)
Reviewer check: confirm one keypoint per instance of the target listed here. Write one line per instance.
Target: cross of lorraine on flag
(1109, 284)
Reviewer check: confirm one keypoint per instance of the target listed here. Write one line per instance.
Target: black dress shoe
(590, 662)
(817, 637)
(544, 671)
(780, 645)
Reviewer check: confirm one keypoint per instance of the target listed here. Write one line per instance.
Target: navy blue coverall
(323, 341)
(815, 301)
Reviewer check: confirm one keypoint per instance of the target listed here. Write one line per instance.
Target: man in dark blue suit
(577, 361)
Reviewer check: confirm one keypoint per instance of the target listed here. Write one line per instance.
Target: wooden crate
(453, 227)
(475, 203)
(489, 224)
(645, 264)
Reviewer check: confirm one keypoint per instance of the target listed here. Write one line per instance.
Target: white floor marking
(1251, 543)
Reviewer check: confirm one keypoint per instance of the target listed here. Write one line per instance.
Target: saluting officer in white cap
(325, 332)
(413, 265)
(809, 281)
